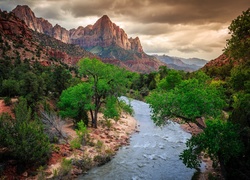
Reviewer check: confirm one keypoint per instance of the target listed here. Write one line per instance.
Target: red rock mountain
(17, 40)
(103, 33)
(104, 39)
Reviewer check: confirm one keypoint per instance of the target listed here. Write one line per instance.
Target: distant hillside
(189, 65)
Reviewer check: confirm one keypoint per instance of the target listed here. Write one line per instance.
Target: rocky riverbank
(101, 146)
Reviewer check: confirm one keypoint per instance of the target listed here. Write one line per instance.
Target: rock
(76, 172)
(113, 43)
(25, 174)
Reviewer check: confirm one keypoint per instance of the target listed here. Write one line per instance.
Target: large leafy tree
(75, 101)
(228, 142)
(189, 100)
(104, 83)
(220, 140)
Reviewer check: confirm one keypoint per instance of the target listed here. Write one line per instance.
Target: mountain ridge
(103, 26)
(112, 40)
(178, 63)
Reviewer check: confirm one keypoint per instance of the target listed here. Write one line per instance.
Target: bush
(23, 137)
(82, 132)
(7, 101)
(66, 167)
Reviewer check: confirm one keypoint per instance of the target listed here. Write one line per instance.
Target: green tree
(60, 80)
(189, 100)
(106, 81)
(24, 137)
(238, 45)
(75, 101)
(172, 79)
(10, 87)
(220, 140)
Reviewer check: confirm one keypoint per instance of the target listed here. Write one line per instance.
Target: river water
(153, 153)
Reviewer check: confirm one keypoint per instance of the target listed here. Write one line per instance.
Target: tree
(60, 80)
(172, 79)
(239, 43)
(75, 101)
(189, 100)
(104, 81)
(220, 140)
(23, 137)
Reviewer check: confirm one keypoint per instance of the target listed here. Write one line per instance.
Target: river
(153, 153)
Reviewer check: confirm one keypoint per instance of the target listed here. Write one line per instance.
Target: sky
(181, 28)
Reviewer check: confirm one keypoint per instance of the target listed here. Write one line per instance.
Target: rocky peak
(26, 14)
(12, 25)
(103, 33)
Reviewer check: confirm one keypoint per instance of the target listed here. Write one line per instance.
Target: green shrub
(66, 167)
(75, 143)
(23, 137)
(7, 101)
(82, 132)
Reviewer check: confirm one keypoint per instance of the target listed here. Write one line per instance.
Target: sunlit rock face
(103, 33)
(104, 38)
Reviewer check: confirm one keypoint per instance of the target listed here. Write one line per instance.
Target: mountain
(104, 38)
(189, 65)
(18, 41)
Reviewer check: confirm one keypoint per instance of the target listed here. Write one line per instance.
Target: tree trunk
(94, 123)
(222, 166)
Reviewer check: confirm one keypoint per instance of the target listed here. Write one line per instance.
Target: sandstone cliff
(103, 33)
(18, 41)
(104, 38)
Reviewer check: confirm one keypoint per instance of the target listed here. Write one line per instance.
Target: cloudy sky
(182, 28)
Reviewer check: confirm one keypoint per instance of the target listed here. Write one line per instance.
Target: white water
(153, 153)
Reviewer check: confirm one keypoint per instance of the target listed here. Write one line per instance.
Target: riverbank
(103, 143)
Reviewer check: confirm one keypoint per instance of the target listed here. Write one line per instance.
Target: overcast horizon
(173, 27)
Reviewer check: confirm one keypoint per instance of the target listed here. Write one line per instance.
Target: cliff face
(104, 38)
(103, 33)
(11, 25)
(19, 41)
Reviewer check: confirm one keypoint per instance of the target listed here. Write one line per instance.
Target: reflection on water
(153, 153)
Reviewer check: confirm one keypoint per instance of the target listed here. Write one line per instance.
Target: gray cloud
(181, 27)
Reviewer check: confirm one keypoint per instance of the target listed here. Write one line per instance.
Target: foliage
(85, 163)
(75, 101)
(32, 80)
(220, 140)
(189, 100)
(24, 137)
(82, 136)
(75, 143)
(127, 108)
(238, 45)
(99, 145)
(107, 84)
(170, 81)
(66, 167)
(82, 132)
(111, 109)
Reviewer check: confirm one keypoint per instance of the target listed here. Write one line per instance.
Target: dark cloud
(161, 11)
(8, 5)
(184, 27)
(149, 29)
